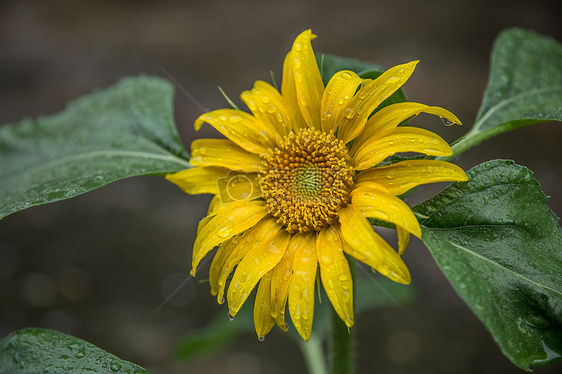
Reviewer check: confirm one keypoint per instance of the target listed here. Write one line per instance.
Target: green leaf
(123, 131)
(500, 246)
(524, 87)
(32, 351)
(331, 64)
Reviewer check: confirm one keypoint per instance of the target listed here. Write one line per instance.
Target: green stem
(341, 340)
(313, 355)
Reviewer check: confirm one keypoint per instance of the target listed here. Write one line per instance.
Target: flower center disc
(307, 180)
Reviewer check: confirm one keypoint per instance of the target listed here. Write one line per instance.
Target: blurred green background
(98, 266)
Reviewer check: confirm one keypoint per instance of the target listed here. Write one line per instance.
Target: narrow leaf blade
(123, 131)
(32, 351)
(500, 247)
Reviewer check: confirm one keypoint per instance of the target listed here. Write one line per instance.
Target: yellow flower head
(296, 180)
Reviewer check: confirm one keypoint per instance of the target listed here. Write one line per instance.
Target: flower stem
(313, 355)
(341, 340)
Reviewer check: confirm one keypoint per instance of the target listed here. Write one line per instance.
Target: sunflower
(296, 180)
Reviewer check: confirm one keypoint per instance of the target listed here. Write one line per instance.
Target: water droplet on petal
(429, 169)
(224, 232)
(298, 47)
(235, 119)
(447, 122)
(346, 75)
(261, 338)
(230, 317)
(390, 175)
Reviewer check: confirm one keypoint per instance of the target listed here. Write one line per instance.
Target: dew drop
(346, 75)
(271, 109)
(390, 175)
(115, 367)
(298, 47)
(235, 119)
(261, 339)
(430, 169)
(447, 122)
(265, 100)
(362, 95)
(230, 317)
(224, 232)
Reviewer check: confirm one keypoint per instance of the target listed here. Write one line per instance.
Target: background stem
(341, 339)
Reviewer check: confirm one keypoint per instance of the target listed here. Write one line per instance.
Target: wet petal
(268, 106)
(401, 139)
(338, 93)
(393, 115)
(403, 239)
(198, 180)
(236, 218)
(335, 273)
(289, 92)
(262, 307)
(301, 290)
(364, 244)
(308, 82)
(261, 258)
(369, 98)
(375, 201)
(242, 128)
(403, 176)
(218, 264)
(223, 153)
(281, 279)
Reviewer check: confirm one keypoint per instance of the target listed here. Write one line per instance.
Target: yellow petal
(335, 273)
(281, 279)
(392, 115)
(260, 259)
(218, 263)
(369, 98)
(301, 290)
(401, 139)
(403, 239)
(242, 128)
(262, 307)
(375, 201)
(224, 153)
(338, 93)
(403, 176)
(289, 92)
(236, 218)
(364, 244)
(308, 82)
(198, 180)
(268, 106)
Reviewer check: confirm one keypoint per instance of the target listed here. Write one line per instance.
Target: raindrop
(224, 232)
(265, 100)
(235, 119)
(298, 47)
(230, 317)
(271, 109)
(115, 367)
(346, 75)
(261, 338)
(447, 122)
(390, 175)
(429, 169)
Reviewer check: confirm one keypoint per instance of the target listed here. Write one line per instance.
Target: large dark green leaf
(33, 351)
(123, 131)
(500, 246)
(524, 87)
